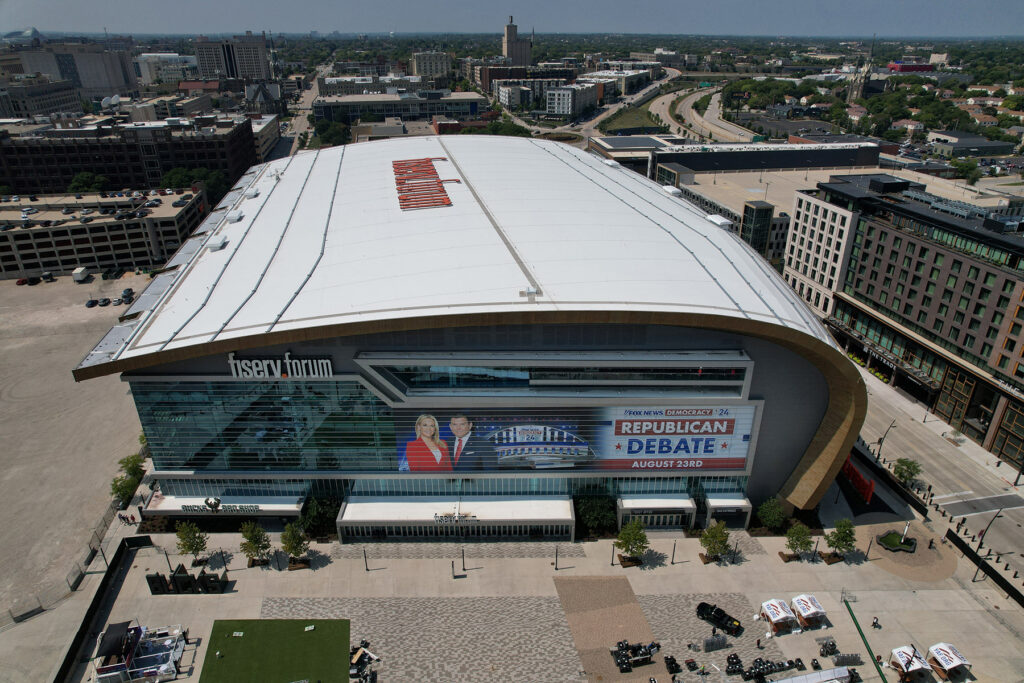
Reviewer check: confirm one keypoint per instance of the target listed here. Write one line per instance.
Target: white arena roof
(320, 239)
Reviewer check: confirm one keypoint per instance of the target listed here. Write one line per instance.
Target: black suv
(717, 617)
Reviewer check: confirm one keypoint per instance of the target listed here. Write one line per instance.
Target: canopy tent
(907, 659)
(808, 609)
(113, 641)
(943, 657)
(778, 614)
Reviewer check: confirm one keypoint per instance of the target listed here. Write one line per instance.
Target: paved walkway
(510, 618)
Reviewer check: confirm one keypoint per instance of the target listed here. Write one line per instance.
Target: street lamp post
(878, 453)
(981, 537)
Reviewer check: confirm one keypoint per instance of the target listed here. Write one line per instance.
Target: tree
(771, 513)
(319, 516)
(798, 538)
(123, 488)
(906, 470)
(597, 513)
(131, 465)
(215, 182)
(715, 539)
(632, 539)
(87, 181)
(191, 541)
(843, 538)
(294, 540)
(255, 541)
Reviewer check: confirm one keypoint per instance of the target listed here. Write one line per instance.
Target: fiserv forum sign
(284, 367)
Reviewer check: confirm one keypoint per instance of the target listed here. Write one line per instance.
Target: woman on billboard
(427, 453)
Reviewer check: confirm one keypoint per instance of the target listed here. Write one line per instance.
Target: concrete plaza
(512, 616)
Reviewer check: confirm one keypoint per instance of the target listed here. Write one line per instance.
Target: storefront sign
(221, 508)
(280, 368)
(454, 520)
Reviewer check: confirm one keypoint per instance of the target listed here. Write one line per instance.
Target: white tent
(946, 656)
(907, 659)
(807, 608)
(777, 613)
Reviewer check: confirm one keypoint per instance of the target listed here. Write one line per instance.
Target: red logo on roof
(418, 185)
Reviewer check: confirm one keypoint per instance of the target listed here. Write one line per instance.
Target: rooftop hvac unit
(234, 216)
(218, 243)
(720, 221)
(672, 190)
(252, 193)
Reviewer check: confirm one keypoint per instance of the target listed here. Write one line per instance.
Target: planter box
(787, 557)
(200, 562)
(301, 563)
(627, 561)
(258, 563)
(830, 558)
(708, 559)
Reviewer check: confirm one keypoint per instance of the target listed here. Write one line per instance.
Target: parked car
(718, 617)
(116, 302)
(91, 303)
(104, 301)
(22, 281)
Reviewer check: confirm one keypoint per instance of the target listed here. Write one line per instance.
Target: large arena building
(456, 335)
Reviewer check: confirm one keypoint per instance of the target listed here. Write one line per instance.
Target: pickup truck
(717, 617)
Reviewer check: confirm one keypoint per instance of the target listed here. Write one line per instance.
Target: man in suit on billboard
(470, 452)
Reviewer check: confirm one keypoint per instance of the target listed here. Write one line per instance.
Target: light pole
(981, 537)
(878, 454)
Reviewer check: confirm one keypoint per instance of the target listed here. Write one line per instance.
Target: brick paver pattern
(469, 640)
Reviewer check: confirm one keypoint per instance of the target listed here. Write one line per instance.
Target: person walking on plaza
(874, 623)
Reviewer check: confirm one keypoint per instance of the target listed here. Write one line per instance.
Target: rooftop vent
(672, 190)
(252, 193)
(218, 243)
(234, 216)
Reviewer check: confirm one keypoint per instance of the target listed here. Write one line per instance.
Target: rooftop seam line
(213, 286)
(497, 228)
(145, 322)
(323, 245)
(731, 262)
(277, 247)
(662, 227)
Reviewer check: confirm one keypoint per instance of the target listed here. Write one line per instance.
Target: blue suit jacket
(477, 455)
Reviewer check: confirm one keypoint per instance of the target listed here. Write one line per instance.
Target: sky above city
(953, 18)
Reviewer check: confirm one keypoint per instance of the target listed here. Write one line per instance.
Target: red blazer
(420, 458)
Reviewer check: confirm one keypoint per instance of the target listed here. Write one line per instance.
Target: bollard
(1015, 573)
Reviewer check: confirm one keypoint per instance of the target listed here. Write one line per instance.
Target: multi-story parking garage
(456, 335)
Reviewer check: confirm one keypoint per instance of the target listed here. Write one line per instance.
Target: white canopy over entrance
(946, 656)
(730, 506)
(657, 509)
(487, 516)
(225, 506)
(907, 659)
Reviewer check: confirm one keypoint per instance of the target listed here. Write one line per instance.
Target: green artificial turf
(277, 651)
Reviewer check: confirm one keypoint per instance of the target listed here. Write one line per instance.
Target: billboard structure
(660, 438)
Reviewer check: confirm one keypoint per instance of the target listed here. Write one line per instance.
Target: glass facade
(268, 426)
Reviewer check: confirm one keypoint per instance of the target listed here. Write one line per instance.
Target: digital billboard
(635, 438)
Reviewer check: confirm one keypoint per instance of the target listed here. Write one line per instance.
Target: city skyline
(798, 18)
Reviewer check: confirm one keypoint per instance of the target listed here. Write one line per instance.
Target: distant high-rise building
(166, 67)
(91, 67)
(431, 64)
(516, 49)
(241, 57)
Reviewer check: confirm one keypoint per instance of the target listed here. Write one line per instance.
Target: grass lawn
(629, 117)
(277, 650)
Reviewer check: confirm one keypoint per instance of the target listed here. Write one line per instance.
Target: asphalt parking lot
(62, 440)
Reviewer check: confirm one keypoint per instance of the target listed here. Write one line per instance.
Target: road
(299, 122)
(711, 125)
(964, 479)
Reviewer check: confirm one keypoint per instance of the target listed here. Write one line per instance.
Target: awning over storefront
(234, 506)
(908, 659)
(423, 510)
(657, 502)
(728, 503)
(839, 674)
(946, 656)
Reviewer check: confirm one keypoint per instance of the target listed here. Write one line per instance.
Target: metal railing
(29, 604)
